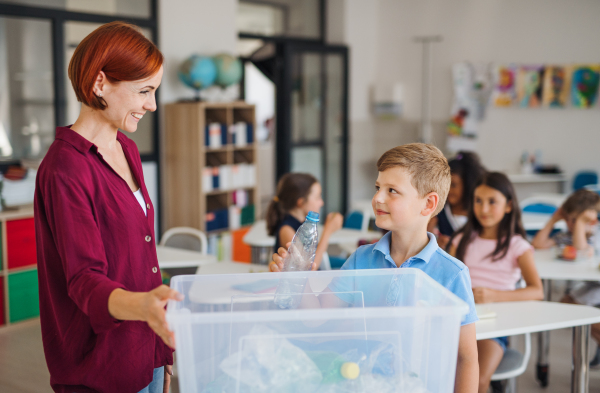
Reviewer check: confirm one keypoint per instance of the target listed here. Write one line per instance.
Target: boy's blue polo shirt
(435, 262)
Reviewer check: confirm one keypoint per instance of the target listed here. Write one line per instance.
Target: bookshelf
(210, 179)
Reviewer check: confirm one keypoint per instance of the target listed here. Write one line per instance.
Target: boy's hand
(333, 222)
(276, 265)
(483, 295)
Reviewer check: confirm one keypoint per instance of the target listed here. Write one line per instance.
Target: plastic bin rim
(324, 273)
(176, 317)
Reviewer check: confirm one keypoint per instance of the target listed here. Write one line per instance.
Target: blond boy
(412, 187)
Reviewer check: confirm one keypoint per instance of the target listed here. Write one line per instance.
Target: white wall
(502, 31)
(189, 27)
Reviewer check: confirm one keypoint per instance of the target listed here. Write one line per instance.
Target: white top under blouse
(140, 199)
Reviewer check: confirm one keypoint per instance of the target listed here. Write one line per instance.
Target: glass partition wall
(37, 41)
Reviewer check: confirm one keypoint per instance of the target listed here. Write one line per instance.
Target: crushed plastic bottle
(301, 256)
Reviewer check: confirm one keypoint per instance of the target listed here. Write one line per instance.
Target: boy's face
(397, 204)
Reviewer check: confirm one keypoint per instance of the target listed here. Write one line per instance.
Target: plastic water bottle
(301, 256)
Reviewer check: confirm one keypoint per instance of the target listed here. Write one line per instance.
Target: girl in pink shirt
(492, 244)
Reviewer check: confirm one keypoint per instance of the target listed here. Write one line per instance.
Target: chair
(545, 204)
(355, 220)
(541, 204)
(584, 178)
(513, 364)
(365, 209)
(186, 238)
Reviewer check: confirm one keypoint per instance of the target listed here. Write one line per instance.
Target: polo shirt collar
(383, 246)
(74, 139)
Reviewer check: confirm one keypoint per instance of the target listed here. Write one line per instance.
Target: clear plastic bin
(387, 330)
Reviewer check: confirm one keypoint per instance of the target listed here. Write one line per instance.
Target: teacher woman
(102, 305)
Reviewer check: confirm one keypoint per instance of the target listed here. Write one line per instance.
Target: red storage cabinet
(20, 243)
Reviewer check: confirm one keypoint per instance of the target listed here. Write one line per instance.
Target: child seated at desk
(492, 244)
(465, 170)
(298, 194)
(580, 212)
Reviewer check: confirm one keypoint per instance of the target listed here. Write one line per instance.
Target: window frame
(58, 18)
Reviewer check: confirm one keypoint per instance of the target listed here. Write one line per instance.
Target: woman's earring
(99, 94)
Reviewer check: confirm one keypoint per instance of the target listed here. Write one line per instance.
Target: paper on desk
(484, 312)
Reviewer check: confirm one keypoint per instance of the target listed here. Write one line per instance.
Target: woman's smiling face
(129, 101)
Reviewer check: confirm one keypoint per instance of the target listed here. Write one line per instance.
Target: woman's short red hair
(121, 51)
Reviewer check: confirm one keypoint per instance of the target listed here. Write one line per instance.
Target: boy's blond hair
(428, 169)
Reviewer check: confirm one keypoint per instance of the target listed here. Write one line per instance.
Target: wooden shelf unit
(186, 157)
(19, 299)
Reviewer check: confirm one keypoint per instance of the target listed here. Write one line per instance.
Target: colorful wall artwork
(504, 88)
(472, 87)
(557, 86)
(584, 89)
(529, 86)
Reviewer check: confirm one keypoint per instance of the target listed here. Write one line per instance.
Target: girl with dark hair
(492, 244)
(465, 169)
(298, 194)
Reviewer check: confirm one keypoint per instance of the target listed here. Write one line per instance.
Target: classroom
(192, 182)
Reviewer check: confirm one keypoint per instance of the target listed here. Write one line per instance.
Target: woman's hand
(153, 311)
(483, 295)
(333, 222)
(276, 265)
(167, 381)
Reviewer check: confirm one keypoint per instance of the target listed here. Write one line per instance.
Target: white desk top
(257, 236)
(536, 178)
(169, 257)
(551, 268)
(513, 318)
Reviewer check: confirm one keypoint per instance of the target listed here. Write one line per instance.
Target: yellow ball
(350, 370)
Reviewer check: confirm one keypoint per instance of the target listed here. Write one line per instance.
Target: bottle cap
(350, 370)
(312, 216)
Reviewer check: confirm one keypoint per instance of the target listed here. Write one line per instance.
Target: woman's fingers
(167, 380)
(164, 292)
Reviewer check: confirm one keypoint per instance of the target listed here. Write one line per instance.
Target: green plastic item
(330, 364)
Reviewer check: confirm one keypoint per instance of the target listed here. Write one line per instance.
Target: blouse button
(148, 205)
(154, 269)
(148, 238)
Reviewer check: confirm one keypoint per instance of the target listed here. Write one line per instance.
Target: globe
(229, 69)
(198, 72)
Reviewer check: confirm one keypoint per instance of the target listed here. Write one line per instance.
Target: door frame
(284, 144)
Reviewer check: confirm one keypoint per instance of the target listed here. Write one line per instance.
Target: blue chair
(354, 220)
(541, 205)
(584, 178)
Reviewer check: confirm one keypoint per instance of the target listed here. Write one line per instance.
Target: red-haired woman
(101, 299)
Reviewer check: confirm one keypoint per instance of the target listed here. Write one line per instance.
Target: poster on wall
(584, 89)
(557, 86)
(472, 87)
(529, 86)
(472, 84)
(504, 86)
